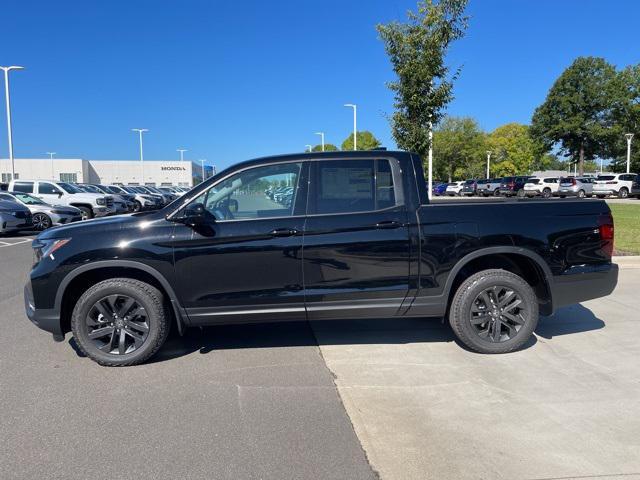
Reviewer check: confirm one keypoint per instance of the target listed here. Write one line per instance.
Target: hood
(98, 225)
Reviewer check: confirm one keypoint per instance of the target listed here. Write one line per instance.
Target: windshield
(28, 199)
(114, 189)
(67, 187)
(91, 188)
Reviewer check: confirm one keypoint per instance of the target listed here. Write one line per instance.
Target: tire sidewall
(470, 289)
(155, 315)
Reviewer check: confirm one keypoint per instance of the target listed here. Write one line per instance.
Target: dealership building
(128, 172)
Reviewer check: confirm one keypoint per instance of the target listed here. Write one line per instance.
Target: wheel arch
(81, 278)
(523, 262)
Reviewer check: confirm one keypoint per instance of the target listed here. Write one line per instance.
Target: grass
(627, 228)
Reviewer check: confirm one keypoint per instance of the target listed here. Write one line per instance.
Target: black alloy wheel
(117, 324)
(497, 314)
(41, 221)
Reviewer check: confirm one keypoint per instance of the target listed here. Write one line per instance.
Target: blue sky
(235, 80)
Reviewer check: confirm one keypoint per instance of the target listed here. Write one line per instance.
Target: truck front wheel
(494, 311)
(120, 322)
(86, 213)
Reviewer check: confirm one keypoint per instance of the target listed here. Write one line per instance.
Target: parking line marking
(22, 240)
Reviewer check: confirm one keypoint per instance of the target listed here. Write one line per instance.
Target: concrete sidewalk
(566, 406)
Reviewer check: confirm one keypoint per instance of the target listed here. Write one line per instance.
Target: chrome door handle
(283, 232)
(388, 224)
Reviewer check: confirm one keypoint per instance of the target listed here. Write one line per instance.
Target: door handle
(283, 232)
(388, 224)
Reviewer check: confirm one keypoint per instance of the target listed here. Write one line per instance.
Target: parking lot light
(488, 160)
(322, 137)
(309, 148)
(140, 132)
(8, 100)
(51, 154)
(182, 150)
(629, 137)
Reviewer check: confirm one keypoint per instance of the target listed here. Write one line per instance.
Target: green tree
(328, 147)
(577, 114)
(627, 120)
(513, 151)
(458, 149)
(424, 85)
(366, 141)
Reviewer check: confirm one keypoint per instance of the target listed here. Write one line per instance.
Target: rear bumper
(46, 319)
(507, 192)
(608, 191)
(582, 283)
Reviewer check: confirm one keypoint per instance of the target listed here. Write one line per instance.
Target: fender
(178, 310)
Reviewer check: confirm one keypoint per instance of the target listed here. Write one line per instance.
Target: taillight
(605, 227)
(573, 181)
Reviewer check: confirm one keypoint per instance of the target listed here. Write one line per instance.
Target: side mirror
(194, 214)
(59, 194)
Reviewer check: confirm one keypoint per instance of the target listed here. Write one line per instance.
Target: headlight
(45, 248)
(101, 201)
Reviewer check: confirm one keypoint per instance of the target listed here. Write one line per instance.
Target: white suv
(619, 184)
(543, 186)
(62, 193)
(454, 188)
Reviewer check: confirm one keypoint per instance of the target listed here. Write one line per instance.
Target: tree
(328, 147)
(577, 114)
(417, 51)
(627, 119)
(513, 151)
(458, 149)
(366, 141)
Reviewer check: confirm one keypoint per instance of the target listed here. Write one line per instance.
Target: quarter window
(25, 187)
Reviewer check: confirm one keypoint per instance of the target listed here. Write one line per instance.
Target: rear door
(356, 239)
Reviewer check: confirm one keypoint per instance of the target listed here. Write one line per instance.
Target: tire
(467, 305)
(520, 193)
(623, 192)
(496, 192)
(86, 213)
(111, 296)
(137, 206)
(41, 221)
(546, 193)
(581, 194)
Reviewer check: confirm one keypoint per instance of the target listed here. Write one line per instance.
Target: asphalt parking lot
(261, 401)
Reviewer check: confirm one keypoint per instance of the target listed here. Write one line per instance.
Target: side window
(262, 192)
(47, 188)
(348, 186)
(24, 187)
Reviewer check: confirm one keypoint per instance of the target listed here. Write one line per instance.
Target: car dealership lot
(260, 402)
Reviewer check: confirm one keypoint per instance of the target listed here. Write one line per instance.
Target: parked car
(44, 215)
(119, 204)
(619, 184)
(63, 193)
(147, 191)
(167, 197)
(172, 190)
(635, 187)
(141, 201)
(14, 216)
(361, 240)
(576, 187)
(489, 187)
(453, 189)
(545, 187)
(126, 198)
(439, 189)
(469, 188)
(510, 186)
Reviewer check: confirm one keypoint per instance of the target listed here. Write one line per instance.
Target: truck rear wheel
(120, 322)
(494, 311)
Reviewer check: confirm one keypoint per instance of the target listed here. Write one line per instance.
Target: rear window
(535, 181)
(607, 177)
(469, 182)
(508, 179)
(24, 187)
(567, 180)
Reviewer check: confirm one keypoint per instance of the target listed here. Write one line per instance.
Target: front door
(356, 242)
(49, 193)
(244, 264)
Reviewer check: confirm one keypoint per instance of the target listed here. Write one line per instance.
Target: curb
(630, 261)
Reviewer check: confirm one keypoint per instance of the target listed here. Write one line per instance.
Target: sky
(235, 80)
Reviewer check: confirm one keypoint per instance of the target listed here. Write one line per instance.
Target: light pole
(6, 94)
(488, 160)
(430, 163)
(140, 132)
(309, 148)
(322, 137)
(202, 160)
(182, 150)
(629, 137)
(355, 128)
(51, 154)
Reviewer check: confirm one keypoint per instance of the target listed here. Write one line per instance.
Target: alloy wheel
(117, 324)
(41, 221)
(497, 314)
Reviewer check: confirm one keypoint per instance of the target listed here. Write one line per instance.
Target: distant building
(127, 172)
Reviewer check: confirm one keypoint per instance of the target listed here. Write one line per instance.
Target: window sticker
(347, 183)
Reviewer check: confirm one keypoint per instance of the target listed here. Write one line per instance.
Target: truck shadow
(566, 321)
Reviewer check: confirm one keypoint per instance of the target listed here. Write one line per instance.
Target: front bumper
(46, 319)
(103, 211)
(583, 282)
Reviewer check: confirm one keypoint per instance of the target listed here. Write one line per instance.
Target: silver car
(44, 215)
(13, 216)
(575, 187)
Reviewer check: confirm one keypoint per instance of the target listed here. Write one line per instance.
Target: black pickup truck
(355, 236)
